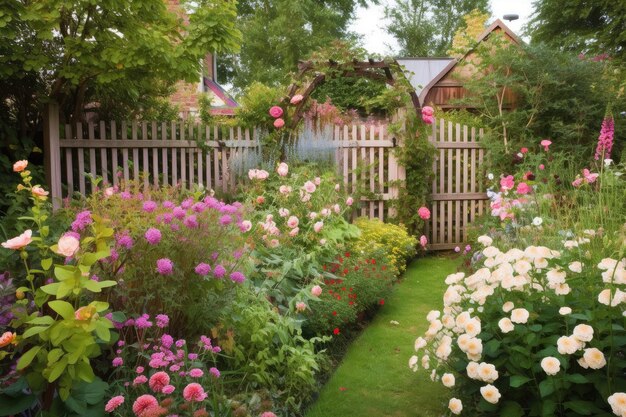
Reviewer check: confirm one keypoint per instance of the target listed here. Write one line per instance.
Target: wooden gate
(458, 194)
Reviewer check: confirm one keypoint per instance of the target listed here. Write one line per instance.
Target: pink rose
(20, 166)
(427, 111)
(316, 291)
(507, 183)
(310, 187)
(591, 178)
(424, 213)
(262, 175)
(20, 241)
(109, 191)
(523, 188)
(278, 123)
(542, 167)
(524, 150)
(318, 226)
(296, 99)
(294, 232)
(546, 144)
(284, 189)
(577, 182)
(292, 222)
(349, 201)
(276, 112)
(282, 169)
(67, 246)
(423, 241)
(429, 120)
(39, 192)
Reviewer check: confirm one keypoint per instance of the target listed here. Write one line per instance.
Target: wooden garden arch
(375, 70)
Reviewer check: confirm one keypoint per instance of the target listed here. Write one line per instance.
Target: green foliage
(427, 28)
(558, 96)
(392, 240)
(581, 26)
(279, 33)
(271, 353)
(255, 103)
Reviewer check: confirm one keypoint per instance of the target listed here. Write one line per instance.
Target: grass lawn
(374, 378)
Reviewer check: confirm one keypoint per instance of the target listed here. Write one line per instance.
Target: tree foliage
(278, 33)
(582, 26)
(427, 27)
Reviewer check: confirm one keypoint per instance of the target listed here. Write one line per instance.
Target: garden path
(374, 379)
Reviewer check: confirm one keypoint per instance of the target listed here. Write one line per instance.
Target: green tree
(582, 26)
(279, 33)
(427, 27)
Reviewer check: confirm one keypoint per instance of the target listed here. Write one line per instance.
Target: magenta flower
(194, 392)
(179, 212)
(196, 373)
(168, 204)
(117, 361)
(278, 123)
(546, 144)
(143, 322)
(153, 236)
(424, 213)
(149, 206)
(605, 140)
(167, 341)
(168, 389)
(219, 271)
(507, 183)
(203, 269)
(225, 220)
(165, 266)
(162, 320)
(237, 277)
(523, 188)
(191, 222)
(215, 372)
(83, 219)
(124, 241)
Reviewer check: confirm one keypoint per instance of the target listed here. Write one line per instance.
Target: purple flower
(180, 343)
(125, 241)
(94, 277)
(83, 219)
(191, 222)
(192, 356)
(215, 372)
(237, 277)
(167, 218)
(179, 213)
(117, 361)
(225, 220)
(153, 236)
(457, 249)
(165, 266)
(175, 227)
(219, 271)
(605, 140)
(196, 373)
(237, 254)
(143, 322)
(125, 195)
(198, 207)
(217, 349)
(114, 255)
(168, 204)
(203, 269)
(149, 206)
(162, 320)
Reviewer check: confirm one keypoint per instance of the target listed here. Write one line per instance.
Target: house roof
(420, 71)
(222, 103)
(497, 24)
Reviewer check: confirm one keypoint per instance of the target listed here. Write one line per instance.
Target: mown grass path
(374, 379)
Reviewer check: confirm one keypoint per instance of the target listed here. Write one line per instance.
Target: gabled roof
(420, 71)
(222, 102)
(498, 24)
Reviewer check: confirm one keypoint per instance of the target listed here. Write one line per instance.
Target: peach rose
(20, 166)
(20, 241)
(7, 338)
(39, 192)
(67, 246)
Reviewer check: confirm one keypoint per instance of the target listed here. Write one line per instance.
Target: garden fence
(171, 153)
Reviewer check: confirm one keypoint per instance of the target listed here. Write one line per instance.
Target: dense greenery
(427, 27)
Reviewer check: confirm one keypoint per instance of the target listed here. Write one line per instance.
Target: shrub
(174, 253)
(353, 284)
(393, 240)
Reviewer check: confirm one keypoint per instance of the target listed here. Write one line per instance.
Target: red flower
(382, 302)
(373, 261)
(336, 331)
(347, 254)
(334, 313)
(342, 388)
(351, 303)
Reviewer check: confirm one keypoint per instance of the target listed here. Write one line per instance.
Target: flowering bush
(393, 240)
(174, 253)
(353, 284)
(298, 223)
(532, 331)
(158, 375)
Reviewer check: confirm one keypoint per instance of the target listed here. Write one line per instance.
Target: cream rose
(490, 394)
(550, 365)
(448, 380)
(519, 315)
(506, 325)
(67, 246)
(567, 345)
(20, 241)
(594, 358)
(583, 332)
(455, 405)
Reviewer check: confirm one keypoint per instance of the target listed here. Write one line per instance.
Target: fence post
(52, 156)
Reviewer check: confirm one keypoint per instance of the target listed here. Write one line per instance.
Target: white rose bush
(533, 331)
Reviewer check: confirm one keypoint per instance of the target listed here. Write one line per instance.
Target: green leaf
(46, 263)
(28, 357)
(54, 355)
(51, 289)
(581, 407)
(511, 409)
(103, 332)
(107, 283)
(42, 320)
(546, 387)
(10, 406)
(63, 308)
(85, 372)
(57, 370)
(576, 378)
(64, 272)
(34, 330)
(518, 380)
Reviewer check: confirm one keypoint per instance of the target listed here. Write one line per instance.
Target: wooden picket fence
(187, 154)
(458, 195)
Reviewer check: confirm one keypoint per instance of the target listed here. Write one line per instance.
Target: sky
(370, 23)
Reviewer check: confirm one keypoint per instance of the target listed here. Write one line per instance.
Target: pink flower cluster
(428, 115)
(605, 140)
(587, 178)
